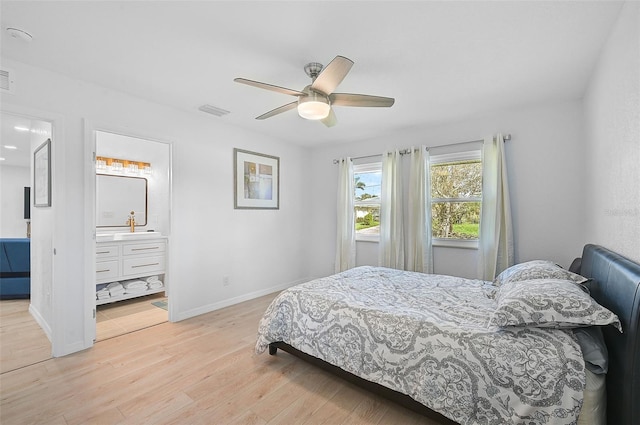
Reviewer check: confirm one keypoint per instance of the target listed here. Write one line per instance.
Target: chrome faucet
(131, 222)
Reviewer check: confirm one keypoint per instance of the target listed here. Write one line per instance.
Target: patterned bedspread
(428, 336)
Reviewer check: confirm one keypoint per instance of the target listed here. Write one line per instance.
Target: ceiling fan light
(313, 107)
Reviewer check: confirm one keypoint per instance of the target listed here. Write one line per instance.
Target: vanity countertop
(128, 236)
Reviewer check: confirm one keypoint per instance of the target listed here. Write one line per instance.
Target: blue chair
(15, 268)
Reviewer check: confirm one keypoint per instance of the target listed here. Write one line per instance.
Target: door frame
(55, 329)
(90, 129)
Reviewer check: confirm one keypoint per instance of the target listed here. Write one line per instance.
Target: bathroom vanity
(122, 257)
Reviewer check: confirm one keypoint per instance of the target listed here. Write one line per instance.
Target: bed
(467, 351)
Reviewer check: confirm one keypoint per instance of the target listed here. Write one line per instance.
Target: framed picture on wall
(42, 175)
(256, 180)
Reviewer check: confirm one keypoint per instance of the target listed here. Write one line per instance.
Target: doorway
(132, 204)
(27, 260)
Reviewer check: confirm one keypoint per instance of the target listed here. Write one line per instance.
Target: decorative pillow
(549, 303)
(536, 269)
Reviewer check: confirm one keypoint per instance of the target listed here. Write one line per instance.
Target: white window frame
(470, 155)
(366, 168)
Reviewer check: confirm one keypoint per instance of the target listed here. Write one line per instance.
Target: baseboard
(41, 322)
(55, 351)
(235, 300)
(70, 349)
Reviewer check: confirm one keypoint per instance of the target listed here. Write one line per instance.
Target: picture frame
(256, 180)
(42, 175)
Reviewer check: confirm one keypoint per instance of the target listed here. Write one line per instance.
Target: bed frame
(615, 284)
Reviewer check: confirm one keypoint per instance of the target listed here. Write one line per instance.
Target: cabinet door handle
(143, 249)
(144, 265)
(102, 271)
(102, 252)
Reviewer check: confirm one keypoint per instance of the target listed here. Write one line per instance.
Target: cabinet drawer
(106, 251)
(107, 271)
(143, 265)
(143, 248)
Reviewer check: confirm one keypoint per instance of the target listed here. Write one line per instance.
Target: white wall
(612, 121)
(43, 228)
(545, 165)
(13, 179)
(260, 251)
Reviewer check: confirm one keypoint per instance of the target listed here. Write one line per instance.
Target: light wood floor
(22, 340)
(128, 316)
(197, 371)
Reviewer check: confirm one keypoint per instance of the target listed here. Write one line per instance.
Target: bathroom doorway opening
(133, 217)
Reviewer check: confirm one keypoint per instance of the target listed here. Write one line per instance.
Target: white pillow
(536, 269)
(549, 303)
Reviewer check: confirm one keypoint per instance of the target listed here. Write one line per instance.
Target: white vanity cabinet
(119, 261)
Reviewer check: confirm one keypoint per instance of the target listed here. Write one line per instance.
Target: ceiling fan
(315, 101)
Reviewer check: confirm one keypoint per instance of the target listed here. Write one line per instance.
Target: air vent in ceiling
(213, 110)
(6, 81)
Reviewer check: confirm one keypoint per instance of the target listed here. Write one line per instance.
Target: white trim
(456, 200)
(55, 330)
(367, 237)
(90, 213)
(40, 321)
(470, 155)
(456, 243)
(369, 202)
(367, 167)
(89, 231)
(236, 300)
(171, 305)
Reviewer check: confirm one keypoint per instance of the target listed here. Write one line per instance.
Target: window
(368, 183)
(456, 197)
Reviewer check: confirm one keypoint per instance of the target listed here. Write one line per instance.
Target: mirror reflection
(117, 196)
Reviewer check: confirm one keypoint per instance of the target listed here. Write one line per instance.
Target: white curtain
(391, 247)
(419, 246)
(495, 246)
(346, 236)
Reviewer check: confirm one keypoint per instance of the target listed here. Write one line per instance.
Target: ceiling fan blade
(331, 119)
(332, 75)
(266, 86)
(349, 99)
(281, 109)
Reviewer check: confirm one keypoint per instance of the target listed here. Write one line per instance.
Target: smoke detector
(19, 34)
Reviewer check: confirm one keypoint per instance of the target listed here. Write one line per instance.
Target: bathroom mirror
(117, 196)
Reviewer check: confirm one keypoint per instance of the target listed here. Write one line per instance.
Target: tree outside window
(456, 195)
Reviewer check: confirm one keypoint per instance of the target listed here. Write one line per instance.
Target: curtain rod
(506, 138)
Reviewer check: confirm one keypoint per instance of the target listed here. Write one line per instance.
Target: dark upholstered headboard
(616, 286)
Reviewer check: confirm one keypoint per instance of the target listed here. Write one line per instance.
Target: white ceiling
(441, 61)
